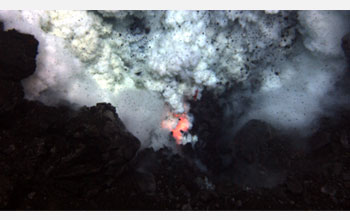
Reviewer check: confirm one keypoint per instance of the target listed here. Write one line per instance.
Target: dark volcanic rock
(103, 138)
(251, 139)
(294, 187)
(11, 93)
(17, 61)
(53, 152)
(17, 56)
(146, 182)
(5, 190)
(209, 125)
(54, 157)
(259, 154)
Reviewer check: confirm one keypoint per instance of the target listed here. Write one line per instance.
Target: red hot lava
(182, 125)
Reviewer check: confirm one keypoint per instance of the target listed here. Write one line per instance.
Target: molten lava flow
(182, 125)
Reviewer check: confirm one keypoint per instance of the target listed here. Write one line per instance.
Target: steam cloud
(149, 63)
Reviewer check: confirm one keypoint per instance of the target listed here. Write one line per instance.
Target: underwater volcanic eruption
(178, 124)
(224, 105)
(285, 63)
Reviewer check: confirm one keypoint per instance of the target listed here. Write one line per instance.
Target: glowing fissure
(178, 124)
(181, 127)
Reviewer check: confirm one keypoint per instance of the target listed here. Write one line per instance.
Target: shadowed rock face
(11, 93)
(17, 61)
(17, 57)
(51, 153)
(56, 152)
(260, 156)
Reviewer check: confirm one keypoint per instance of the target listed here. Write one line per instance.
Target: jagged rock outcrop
(48, 153)
(17, 57)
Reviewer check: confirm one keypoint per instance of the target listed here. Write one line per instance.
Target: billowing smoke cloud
(296, 95)
(296, 90)
(150, 63)
(142, 112)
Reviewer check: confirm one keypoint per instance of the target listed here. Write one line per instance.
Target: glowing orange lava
(182, 125)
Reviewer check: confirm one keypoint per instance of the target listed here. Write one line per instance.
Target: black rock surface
(50, 154)
(17, 57)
